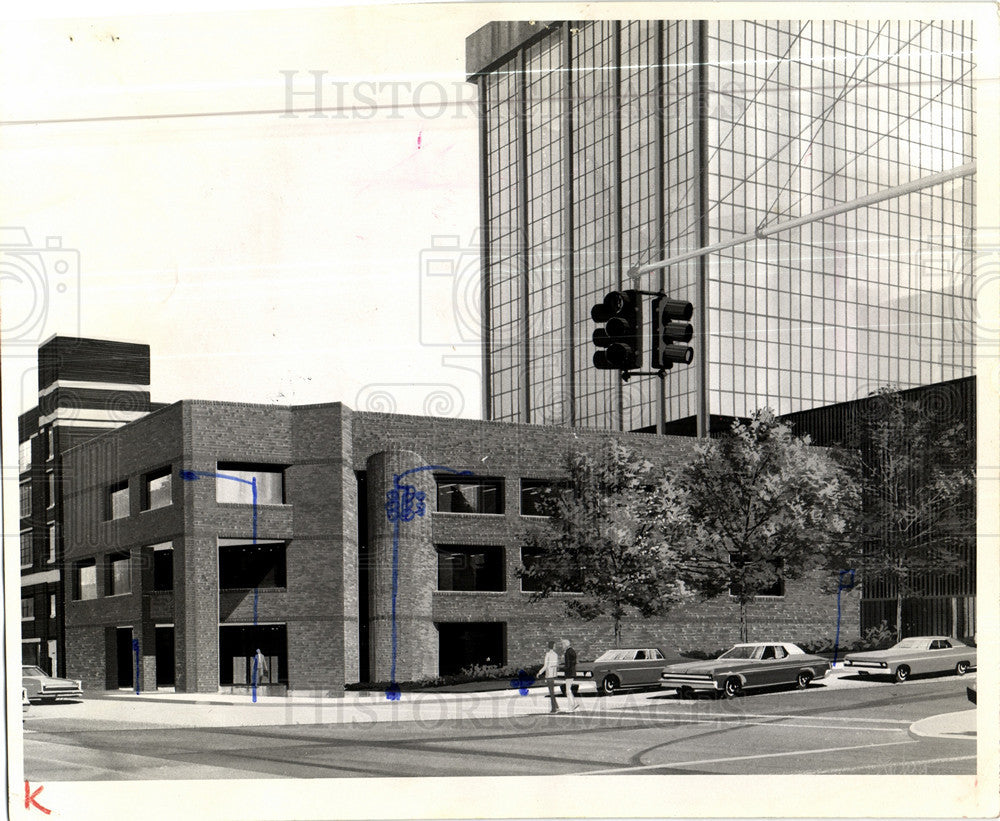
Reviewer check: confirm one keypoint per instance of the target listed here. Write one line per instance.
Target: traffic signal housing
(670, 331)
(619, 342)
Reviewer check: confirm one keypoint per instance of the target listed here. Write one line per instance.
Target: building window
(27, 608)
(50, 490)
(25, 500)
(156, 489)
(85, 580)
(119, 574)
(52, 605)
(469, 495)
(572, 582)
(27, 559)
(776, 590)
(116, 501)
(251, 565)
(50, 449)
(24, 456)
(479, 569)
(52, 543)
(538, 497)
(234, 485)
(163, 568)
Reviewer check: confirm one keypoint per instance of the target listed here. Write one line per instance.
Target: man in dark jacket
(569, 667)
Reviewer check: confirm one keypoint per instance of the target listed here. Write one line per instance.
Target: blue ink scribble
(194, 475)
(135, 649)
(841, 585)
(523, 681)
(403, 504)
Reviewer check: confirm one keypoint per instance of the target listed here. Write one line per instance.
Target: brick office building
(162, 545)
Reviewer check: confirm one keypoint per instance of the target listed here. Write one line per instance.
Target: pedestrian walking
(258, 668)
(548, 672)
(569, 672)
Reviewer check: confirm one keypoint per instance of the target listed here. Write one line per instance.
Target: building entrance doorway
(239, 643)
(165, 655)
(123, 657)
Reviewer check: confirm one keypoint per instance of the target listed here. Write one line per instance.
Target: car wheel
(686, 692)
(902, 673)
(609, 685)
(803, 679)
(961, 668)
(733, 687)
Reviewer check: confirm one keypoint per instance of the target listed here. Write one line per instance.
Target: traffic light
(670, 328)
(621, 336)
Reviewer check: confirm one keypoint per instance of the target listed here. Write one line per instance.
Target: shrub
(817, 645)
(702, 655)
(877, 638)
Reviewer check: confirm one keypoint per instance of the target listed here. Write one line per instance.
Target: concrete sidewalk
(960, 725)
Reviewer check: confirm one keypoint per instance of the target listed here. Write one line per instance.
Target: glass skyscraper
(606, 145)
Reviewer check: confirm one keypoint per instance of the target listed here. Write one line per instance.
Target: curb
(946, 725)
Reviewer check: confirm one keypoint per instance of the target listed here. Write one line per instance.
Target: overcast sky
(263, 257)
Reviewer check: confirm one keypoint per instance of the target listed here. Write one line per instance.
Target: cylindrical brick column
(416, 641)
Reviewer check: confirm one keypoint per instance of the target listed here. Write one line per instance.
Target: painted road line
(889, 765)
(738, 723)
(671, 764)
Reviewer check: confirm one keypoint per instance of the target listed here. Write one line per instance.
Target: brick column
(416, 649)
(196, 597)
(145, 629)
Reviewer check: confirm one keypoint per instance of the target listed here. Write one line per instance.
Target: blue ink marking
(403, 504)
(841, 585)
(135, 649)
(523, 681)
(253, 681)
(194, 475)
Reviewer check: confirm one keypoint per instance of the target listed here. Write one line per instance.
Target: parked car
(616, 670)
(746, 666)
(919, 654)
(40, 686)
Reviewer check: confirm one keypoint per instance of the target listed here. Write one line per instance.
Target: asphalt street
(864, 729)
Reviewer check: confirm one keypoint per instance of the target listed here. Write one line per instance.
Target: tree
(764, 505)
(608, 538)
(917, 481)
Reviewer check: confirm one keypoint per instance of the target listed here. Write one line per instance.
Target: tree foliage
(917, 480)
(763, 505)
(610, 538)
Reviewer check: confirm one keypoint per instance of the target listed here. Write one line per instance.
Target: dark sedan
(620, 669)
(746, 666)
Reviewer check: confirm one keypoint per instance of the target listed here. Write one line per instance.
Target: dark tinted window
(470, 568)
(163, 569)
(469, 495)
(260, 565)
(573, 579)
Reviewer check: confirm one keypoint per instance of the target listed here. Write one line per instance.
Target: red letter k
(29, 798)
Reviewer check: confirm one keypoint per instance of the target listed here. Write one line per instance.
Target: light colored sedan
(40, 686)
(918, 654)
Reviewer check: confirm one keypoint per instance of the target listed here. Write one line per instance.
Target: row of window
(27, 546)
(24, 448)
(486, 495)
(235, 483)
(28, 607)
(481, 569)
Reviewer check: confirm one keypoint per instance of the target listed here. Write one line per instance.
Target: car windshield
(617, 655)
(911, 644)
(739, 653)
(32, 671)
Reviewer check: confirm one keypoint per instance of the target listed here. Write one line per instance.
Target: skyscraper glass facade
(612, 144)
